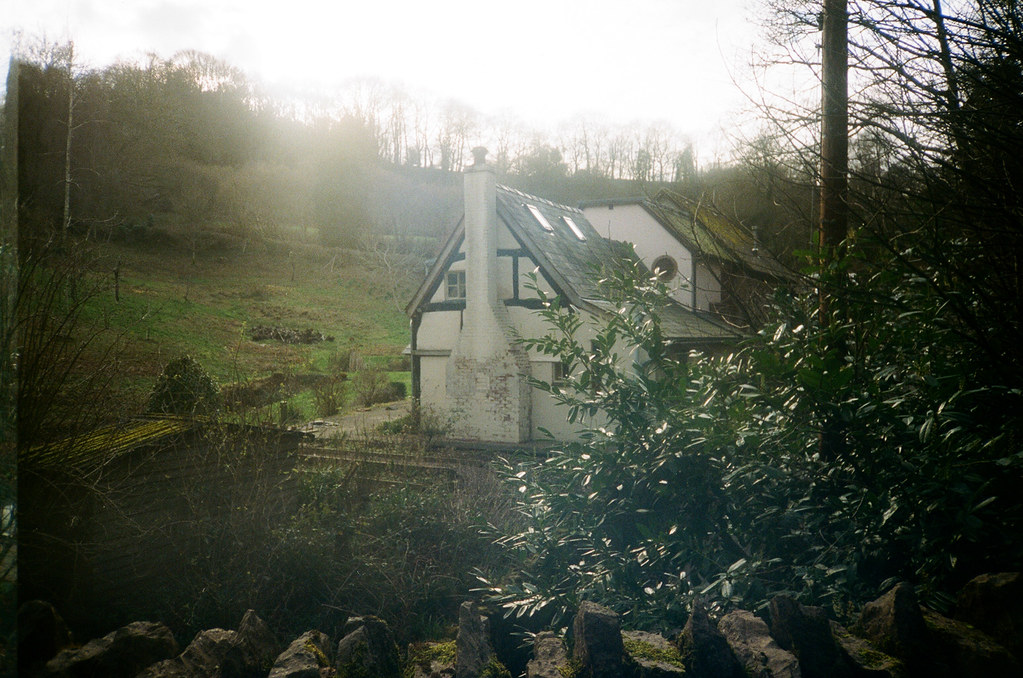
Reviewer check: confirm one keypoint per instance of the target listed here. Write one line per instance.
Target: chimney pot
(479, 156)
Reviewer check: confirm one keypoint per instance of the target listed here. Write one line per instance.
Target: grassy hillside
(165, 304)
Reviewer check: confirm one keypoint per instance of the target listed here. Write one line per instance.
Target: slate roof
(705, 231)
(573, 266)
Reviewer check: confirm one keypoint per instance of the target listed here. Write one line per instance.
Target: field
(163, 303)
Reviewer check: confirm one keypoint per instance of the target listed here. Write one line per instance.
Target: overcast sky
(542, 61)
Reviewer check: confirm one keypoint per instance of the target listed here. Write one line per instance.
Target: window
(665, 268)
(456, 285)
(575, 229)
(561, 373)
(540, 218)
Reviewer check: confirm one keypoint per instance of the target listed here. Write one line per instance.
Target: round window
(665, 268)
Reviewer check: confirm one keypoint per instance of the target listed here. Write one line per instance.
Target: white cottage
(467, 364)
(710, 262)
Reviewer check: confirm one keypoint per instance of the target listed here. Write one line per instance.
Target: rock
(754, 647)
(245, 653)
(168, 668)
(550, 657)
(894, 624)
(125, 652)
(256, 649)
(431, 660)
(205, 654)
(994, 604)
(306, 657)
(806, 633)
(42, 633)
(704, 650)
(970, 653)
(652, 655)
(598, 641)
(474, 653)
(367, 649)
(865, 660)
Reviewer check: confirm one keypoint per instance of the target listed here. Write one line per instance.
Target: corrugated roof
(151, 431)
(109, 442)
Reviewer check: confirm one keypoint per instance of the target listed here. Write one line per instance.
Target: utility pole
(834, 215)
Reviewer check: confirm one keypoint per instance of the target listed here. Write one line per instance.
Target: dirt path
(364, 420)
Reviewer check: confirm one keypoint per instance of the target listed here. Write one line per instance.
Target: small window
(665, 268)
(575, 229)
(540, 218)
(561, 372)
(678, 352)
(456, 285)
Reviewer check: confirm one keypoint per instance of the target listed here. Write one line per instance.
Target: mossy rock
(652, 655)
(495, 669)
(425, 659)
(863, 656)
(321, 657)
(573, 669)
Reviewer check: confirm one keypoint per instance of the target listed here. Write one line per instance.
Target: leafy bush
(397, 390)
(184, 387)
(329, 395)
(662, 531)
(345, 546)
(711, 478)
(402, 553)
(371, 386)
(398, 363)
(417, 422)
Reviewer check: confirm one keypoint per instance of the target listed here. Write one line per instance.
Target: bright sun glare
(541, 61)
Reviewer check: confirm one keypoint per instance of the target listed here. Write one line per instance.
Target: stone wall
(893, 637)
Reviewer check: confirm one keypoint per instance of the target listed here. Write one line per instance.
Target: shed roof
(108, 443)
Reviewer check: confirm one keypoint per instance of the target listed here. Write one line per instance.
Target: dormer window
(455, 285)
(540, 218)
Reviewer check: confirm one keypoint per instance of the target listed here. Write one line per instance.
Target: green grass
(169, 307)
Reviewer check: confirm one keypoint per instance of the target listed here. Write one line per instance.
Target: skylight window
(574, 227)
(540, 218)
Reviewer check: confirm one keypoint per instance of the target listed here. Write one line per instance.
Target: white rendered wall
(708, 287)
(633, 224)
(486, 389)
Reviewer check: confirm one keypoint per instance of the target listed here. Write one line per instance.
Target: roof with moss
(108, 443)
(705, 231)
